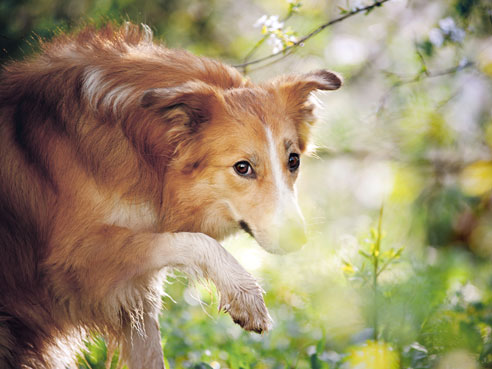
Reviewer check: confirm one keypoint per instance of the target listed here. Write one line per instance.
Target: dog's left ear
(189, 104)
(294, 90)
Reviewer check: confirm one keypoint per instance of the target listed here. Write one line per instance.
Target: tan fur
(116, 160)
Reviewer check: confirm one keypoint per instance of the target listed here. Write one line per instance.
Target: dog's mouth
(245, 227)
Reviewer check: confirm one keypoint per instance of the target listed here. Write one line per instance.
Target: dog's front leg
(202, 256)
(106, 260)
(142, 350)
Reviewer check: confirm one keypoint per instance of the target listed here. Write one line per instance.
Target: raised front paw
(247, 308)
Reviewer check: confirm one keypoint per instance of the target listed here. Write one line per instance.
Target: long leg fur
(145, 254)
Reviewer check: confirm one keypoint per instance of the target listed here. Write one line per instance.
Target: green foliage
(96, 356)
(187, 23)
(379, 260)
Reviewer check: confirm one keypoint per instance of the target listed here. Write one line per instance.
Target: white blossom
(463, 62)
(271, 23)
(276, 43)
(436, 37)
(457, 35)
(261, 21)
(447, 25)
(357, 5)
(451, 30)
(471, 293)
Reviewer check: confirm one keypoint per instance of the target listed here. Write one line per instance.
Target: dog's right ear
(299, 87)
(294, 91)
(189, 104)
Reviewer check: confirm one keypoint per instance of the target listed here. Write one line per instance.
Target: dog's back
(24, 304)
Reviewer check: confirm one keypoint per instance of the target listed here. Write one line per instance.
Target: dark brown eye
(243, 168)
(294, 162)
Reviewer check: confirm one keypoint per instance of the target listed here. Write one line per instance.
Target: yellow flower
(476, 178)
(373, 355)
(348, 268)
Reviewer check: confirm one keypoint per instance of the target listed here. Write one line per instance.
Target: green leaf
(320, 346)
(315, 362)
(426, 47)
(342, 10)
(202, 365)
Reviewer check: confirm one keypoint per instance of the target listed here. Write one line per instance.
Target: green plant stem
(385, 265)
(375, 292)
(376, 253)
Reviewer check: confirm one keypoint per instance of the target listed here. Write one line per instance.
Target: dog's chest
(135, 216)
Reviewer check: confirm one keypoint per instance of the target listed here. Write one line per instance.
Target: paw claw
(247, 309)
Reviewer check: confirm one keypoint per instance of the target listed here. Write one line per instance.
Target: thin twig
(428, 74)
(422, 75)
(254, 48)
(266, 65)
(303, 39)
(452, 70)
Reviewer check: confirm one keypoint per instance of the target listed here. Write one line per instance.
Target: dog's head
(237, 155)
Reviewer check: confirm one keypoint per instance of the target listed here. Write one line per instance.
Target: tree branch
(303, 39)
(422, 75)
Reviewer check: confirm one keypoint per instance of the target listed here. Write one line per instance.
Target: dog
(121, 159)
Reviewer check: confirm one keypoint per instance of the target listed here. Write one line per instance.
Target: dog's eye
(294, 162)
(243, 168)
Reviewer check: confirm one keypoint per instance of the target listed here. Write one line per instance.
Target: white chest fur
(135, 216)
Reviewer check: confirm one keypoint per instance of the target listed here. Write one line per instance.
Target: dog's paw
(247, 308)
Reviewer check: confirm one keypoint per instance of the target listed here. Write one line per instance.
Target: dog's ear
(298, 87)
(294, 90)
(189, 104)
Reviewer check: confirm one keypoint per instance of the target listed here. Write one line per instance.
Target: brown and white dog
(119, 159)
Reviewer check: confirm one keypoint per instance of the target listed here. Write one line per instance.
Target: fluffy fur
(116, 162)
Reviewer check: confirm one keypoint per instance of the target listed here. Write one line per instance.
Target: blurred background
(398, 269)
